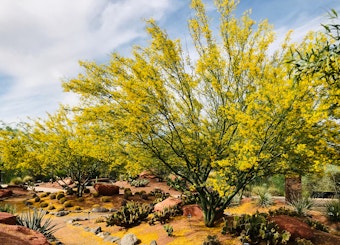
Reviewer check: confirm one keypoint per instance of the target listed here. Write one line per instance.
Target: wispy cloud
(42, 41)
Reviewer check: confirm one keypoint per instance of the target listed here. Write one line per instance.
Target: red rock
(296, 227)
(167, 203)
(7, 218)
(106, 189)
(16, 234)
(147, 175)
(193, 210)
(5, 193)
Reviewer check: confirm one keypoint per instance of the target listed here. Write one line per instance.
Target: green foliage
(303, 241)
(264, 199)
(106, 199)
(139, 182)
(51, 207)
(211, 240)
(129, 215)
(7, 208)
(68, 204)
(28, 179)
(127, 193)
(283, 211)
(95, 194)
(177, 183)
(189, 197)
(36, 220)
(256, 228)
(62, 200)
(53, 196)
(333, 210)
(37, 199)
(42, 195)
(17, 181)
(301, 205)
(60, 195)
(165, 215)
(317, 225)
(169, 229)
(43, 204)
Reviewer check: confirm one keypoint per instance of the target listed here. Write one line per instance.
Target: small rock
(129, 239)
(7, 218)
(153, 242)
(87, 228)
(100, 210)
(111, 239)
(62, 213)
(103, 234)
(96, 230)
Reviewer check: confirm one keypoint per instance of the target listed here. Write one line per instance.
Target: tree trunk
(293, 187)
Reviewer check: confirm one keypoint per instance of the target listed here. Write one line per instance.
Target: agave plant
(36, 220)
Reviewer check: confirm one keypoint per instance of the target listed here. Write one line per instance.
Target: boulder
(106, 189)
(170, 202)
(296, 227)
(192, 211)
(7, 218)
(147, 175)
(129, 239)
(16, 234)
(5, 193)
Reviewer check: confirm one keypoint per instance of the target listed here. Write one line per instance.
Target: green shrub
(139, 182)
(303, 241)
(28, 179)
(62, 200)
(169, 229)
(264, 198)
(95, 194)
(37, 199)
(42, 195)
(60, 209)
(60, 195)
(256, 228)
(301, 205)
(87, 191)
(17, 181)
(68, 204)
(317, 225)
(333, 210)
(165, 215)
(43, 205)
(80, 199)
(129, 215)
(127, 193)
(53, 196)
(77, 208)
(51, 207)
(36, 221)
(211, 240)
(7, 208)
(189, 197)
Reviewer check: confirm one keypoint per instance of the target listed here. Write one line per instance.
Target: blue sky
(41, 41)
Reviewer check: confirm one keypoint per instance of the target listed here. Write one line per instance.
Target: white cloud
(42, 41)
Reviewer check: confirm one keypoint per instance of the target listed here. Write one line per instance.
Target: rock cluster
(106, 189)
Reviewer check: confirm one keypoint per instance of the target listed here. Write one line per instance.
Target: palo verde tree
(219, 120)
(60, 148)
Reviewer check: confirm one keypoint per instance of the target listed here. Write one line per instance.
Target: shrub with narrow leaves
(333, 210)
(35, 220)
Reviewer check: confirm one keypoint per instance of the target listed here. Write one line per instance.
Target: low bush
(42, 195)
(43, 204)
(106, 199)
(53, 196)
(139, 182)
(60, 195)
(68, 204)
(169, 229)
(62, 200)
(333, 210)
(130, 215)
(37, 199)
(7, 208)
(17, 181)
(165, 215)
(256, 228)
(211, 240)
(36, 220)
(301, 205)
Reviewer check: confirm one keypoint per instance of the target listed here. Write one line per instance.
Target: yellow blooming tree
(60, 147)
(218, 119)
